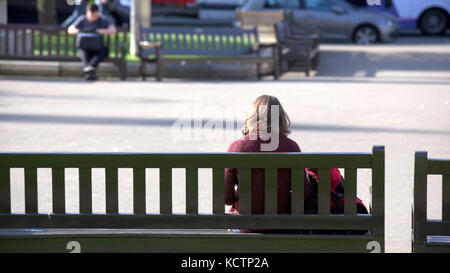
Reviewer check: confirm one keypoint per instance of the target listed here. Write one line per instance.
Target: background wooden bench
(430, 235)
(190, 232)
(53, 43)
(182, 45)
(259, 18)
(298, 46)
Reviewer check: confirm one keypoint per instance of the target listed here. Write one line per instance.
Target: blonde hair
(260, 113)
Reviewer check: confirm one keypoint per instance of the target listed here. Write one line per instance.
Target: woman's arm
(230, 181)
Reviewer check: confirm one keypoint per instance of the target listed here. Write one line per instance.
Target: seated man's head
(92, 13)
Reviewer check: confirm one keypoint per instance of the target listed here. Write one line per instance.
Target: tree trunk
(47, 12)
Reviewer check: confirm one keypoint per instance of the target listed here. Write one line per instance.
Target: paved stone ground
(394, 95)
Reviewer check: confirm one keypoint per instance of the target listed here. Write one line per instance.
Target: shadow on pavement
(346, 63)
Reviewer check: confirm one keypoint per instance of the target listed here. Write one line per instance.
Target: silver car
(335, 18)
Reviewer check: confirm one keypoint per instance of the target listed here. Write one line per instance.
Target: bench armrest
(274, 46)
(297, 42)
(265, 45)
(149, 45)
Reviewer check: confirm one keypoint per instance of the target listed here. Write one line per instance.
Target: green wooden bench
(430, 235)
(53, 43)
(184, 45)
(189, 232)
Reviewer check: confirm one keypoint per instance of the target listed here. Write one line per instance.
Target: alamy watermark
(227, 123)
(73, 2)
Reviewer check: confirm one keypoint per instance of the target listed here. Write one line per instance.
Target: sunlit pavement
(397, 95)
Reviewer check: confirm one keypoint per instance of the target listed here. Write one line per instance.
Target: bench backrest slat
(6, 44)
(31, 193)
(350, 191)
(298, 191)
(139, 202)
(323, 191)
(270, 191)
(245, 186)
(112, 190)
(218, 183)
(41, 42)
(85, 189)
(58, 43)
(24, 42)
(165, 190)
(446, 197)
(66, 43)
(5, 190)
(58, 190)
(16, 44)
(191, 190)
(50, 47)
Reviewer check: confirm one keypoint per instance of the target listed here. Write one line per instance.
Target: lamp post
(141, 13)
(3, 11)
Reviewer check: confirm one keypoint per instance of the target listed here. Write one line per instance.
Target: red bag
(336, 193)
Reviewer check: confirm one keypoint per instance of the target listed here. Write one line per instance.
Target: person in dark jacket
(92, 22)
(254, 139)
(267, 126)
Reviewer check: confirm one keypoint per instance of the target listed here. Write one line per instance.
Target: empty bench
(184, 46)
(166, 231)
(298, 46)
(430, 235)
(53, 43)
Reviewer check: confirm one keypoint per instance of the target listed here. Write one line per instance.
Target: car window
(357, 3)
(319, 5)
(282, 4)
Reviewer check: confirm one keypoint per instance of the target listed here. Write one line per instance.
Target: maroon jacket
(244, 144)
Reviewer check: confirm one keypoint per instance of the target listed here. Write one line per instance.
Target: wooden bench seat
(200, 240)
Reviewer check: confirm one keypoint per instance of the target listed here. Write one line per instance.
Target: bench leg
(276, 63)
(276, 69)
(142, 69)
(308, 63)
(159, 65)
(258, 71)
(159, 71)
(316, 61)
(123, 70)
(308, 67)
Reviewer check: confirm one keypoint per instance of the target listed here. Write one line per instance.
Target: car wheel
(366, 35)
(433, 21)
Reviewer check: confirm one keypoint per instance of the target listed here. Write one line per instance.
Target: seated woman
(259, 131)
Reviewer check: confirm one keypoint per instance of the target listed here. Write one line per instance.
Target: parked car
(335, 19)
(431, 16)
